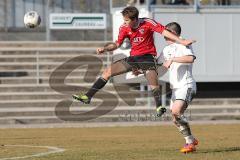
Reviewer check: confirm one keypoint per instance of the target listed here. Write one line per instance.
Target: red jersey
(141, 38)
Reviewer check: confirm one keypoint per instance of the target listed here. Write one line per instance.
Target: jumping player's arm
(157, 27)
(107, 48)
(113, 45)
(170, 35)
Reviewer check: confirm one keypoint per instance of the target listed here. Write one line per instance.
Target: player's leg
(183, 126)
(180, 101)
(180, 120)
(148, 64)
(114, 69)
(152, 78)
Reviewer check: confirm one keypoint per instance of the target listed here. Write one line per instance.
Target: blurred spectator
(153, 2)
(176, 2)
(216, 2)
(131, 2)
(134, 2)
(224, 2)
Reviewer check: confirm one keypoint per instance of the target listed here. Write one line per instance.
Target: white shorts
(185, 93)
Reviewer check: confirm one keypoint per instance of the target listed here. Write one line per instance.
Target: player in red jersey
(142, 56)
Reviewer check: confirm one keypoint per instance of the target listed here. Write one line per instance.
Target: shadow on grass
(230, 149)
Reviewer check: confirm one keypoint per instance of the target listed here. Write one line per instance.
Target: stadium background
(41, 68)
(29, 57)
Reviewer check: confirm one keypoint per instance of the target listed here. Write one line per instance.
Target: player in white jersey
(178, 60)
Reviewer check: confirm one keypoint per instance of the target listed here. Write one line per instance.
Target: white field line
(51, 151)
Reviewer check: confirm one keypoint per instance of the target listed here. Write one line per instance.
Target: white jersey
(180, 74)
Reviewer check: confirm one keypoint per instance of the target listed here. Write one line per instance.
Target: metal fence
(12, 13)
(14, 10)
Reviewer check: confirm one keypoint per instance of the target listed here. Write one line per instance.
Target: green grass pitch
(217, 142)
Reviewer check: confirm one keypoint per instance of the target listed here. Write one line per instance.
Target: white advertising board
(78, 21)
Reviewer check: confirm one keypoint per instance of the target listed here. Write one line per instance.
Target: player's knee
(155, 91)
(180, 120)
(175, 117)
(154, 88)
(175, 121)
(106, 74)
(175, 113)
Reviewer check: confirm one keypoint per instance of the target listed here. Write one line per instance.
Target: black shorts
(144, 62)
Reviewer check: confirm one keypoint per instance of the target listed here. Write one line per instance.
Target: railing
(12, 12)
(30, 61)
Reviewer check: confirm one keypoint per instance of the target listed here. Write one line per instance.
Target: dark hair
(131, 12)
(174, 26)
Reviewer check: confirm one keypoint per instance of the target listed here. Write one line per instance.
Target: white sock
(189, 139)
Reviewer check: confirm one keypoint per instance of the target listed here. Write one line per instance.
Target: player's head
(130, 16)
(174, 28)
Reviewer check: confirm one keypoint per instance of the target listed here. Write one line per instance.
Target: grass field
(217, 142)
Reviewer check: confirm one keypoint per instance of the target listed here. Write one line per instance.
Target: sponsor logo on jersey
(138, 39)
(141, 31)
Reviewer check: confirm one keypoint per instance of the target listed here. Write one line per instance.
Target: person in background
(224, 2)
(179, 2)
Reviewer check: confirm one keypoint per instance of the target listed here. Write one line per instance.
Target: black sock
(157, 96)
(100, 83)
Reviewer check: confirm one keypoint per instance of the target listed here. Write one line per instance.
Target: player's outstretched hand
(187, 42)
(107, 48)
(167, 63)
(136, 72)
(100, 50)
